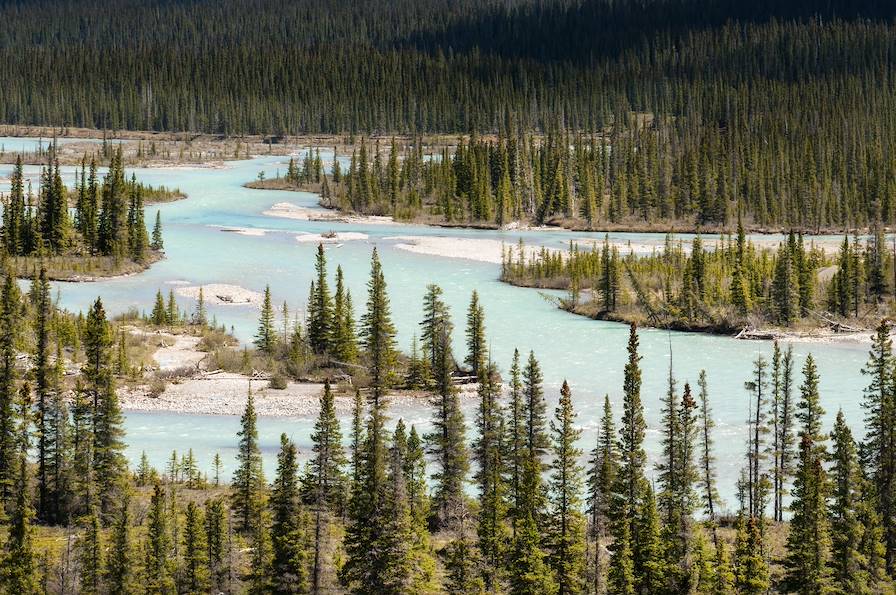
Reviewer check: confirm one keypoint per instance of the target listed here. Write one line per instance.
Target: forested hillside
(437, 65)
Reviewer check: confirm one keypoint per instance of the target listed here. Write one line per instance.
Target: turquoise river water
(590, 354)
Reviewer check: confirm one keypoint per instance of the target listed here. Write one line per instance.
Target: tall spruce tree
(266, 336)
(446, 442)
(378, 333)
(109, 463)
(289, 564)
(248, 479)
(475, 358)
(320, 308)
(326, 477)
(809, 540)
(489, 453)
(567, 524)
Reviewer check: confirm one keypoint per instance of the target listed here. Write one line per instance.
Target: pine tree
(809, 540)
(266, 336)
(446, 442)
(343, 340)
(159, 316)
(157, 566)
(91, 556)
(289, 566)
(567, 526)
(602, 469)
(475, 335)
(378, 333)
(752, 573)
(109, 464)
(157, 242)
(193, 576)
(248, 479)
(119, 572)
(9, 325)
(320, 310)
(880, 441)
(326, 476)
(631, 483)
(489, 455)
(528, 570)
(216, 534)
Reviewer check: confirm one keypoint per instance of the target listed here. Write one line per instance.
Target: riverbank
(82, 269)
(823, 332)
(180, 383)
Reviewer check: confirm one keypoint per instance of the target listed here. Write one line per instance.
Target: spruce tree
(91, 556)
(326, 476)
(216, 538)
(602, 469)
(447, 440)
(343, 341)
(248, 479)
(809, 540)
(515, 437)
(378, 333)
(109, 464)
(631, 483)
(536, 435)
(475, 335)
(320, 310)
(752, 573)
(567, 525)
(158, 565)
(489, 453)
(157, 242)
(9, 325)
(119, 571)
(289, 564)
(856, 567)
(528, 570)
(266, 336)
(193, 575)
(880, 440)
(435, 321)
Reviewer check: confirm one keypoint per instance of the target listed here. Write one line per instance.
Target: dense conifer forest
(684, 112)
(509, 501)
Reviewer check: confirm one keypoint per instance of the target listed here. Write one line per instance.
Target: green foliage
(266, 337)
(248, 479)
